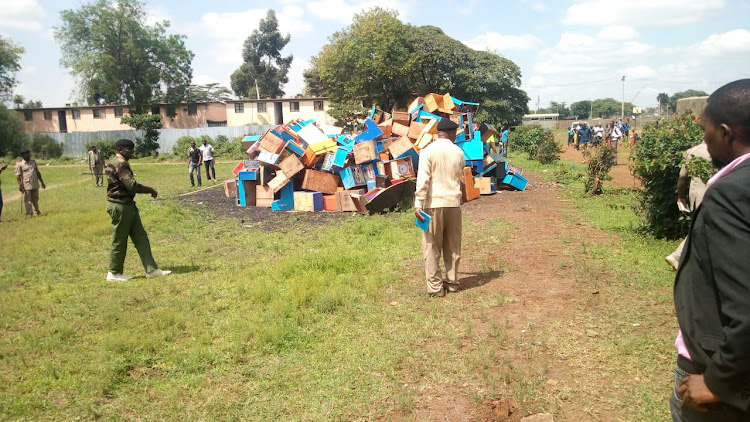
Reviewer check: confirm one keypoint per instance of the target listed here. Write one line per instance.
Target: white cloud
(737, 41)
(618, 33)
(296, 84)
(640, 71)
(157, 14)
(343, 12)
(467, 7)
(498, 42)
(228, 31)
(642, 12)
(22, 14)
(537, 6)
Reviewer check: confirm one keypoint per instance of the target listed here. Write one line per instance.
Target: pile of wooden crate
(308, 167)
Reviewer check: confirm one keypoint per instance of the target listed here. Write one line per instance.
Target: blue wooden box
(286, 198)
(515, 180)
(371, 132)
(352, 177)
(248, 174)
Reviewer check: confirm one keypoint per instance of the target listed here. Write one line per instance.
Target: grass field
(310, 323)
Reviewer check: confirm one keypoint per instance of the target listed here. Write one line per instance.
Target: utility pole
(257, 92)
(591, 110)
(537, 103)
(622, 109)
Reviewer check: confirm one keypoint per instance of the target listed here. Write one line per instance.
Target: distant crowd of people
(581, 135)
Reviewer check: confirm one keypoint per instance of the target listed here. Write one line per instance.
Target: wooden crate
(329, 203)
(308, 201)
(291, 165)
(400, 147)
(344, 200)
(271, 143)
(399, 130)
(319, 181)
(415, 129)
(468, 190)
(230, 188)
(263, 196)
(486, 185)
(364, 152)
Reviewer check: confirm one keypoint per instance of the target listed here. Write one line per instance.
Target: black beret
(124, 143)
(446, 125)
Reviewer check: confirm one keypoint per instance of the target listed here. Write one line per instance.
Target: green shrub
(599, 166)
(44, 146)
(12, 133)
(182, 146)
(537, 143)
(106, 146)
(526, 139)
(547, 151)
(657, 158)
(148, 144)
(229, 149)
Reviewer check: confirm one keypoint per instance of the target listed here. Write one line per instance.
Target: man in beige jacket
(439, 195)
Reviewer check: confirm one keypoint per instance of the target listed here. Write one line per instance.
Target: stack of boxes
(306, 167)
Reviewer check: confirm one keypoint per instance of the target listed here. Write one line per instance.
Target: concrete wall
(250, 115)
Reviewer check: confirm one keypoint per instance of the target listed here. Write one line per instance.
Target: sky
(567, 50)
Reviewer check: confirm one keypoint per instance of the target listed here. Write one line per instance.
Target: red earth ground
(543, 293)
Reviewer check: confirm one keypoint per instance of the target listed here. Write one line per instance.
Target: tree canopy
(209, 92)
(12, 134)
(10, 55)
(262, 62)
(683, 94)
(118, 59)
(388, 63)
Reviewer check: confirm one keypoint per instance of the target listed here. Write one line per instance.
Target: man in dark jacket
(712, 286)
(126, 220)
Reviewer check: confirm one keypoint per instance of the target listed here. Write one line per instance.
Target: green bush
(44, 146)
(599, 166)
(657, 158)
(537, 143)
(547, 151)
(229, 149)
(182, 146)
(106, 146)
(12, 133)
(148, 144)
(526, 139)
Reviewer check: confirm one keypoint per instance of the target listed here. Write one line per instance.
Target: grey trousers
(443, 237)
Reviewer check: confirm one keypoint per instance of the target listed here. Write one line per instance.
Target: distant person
(689, 200)
(96, 164)
(712, 285)
(584, 135)
(208, 158)
(438, 194)
(570, 137)
(29, 179)
(504, 140)
(195, 158)
(126, 219)
(614, 138)
(5, 166)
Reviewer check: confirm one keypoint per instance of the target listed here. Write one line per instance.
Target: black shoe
(441, 293)
(451, 287)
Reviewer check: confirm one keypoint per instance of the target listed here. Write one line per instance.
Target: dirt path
(622, 176)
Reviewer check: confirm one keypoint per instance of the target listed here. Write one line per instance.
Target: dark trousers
(717, 412)
(126, 222)
(210, 163)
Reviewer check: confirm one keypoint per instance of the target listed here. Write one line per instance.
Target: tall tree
(12, 134)
(581, 109)
(610, 108)
(209, 92)
(10, 55)
(119, 59)
(684, 94)
(663, 100)
(387, 63)
(368, 59)
(263, 63)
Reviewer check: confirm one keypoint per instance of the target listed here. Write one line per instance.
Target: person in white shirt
(614, 137)
(438, 194)
(208, 158)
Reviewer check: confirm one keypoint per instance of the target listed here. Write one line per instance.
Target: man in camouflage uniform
(29, 178)
(126, 220)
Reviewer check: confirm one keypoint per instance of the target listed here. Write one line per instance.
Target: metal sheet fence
(74, 144)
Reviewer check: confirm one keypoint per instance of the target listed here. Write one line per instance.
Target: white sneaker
(157, 272)
(118, 277)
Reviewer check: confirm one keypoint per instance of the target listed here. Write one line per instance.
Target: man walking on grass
(438, 194)
(96, 165)
(126, 220)
(712, 285)
(208, 158)
(29, 179)
(195, 158)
